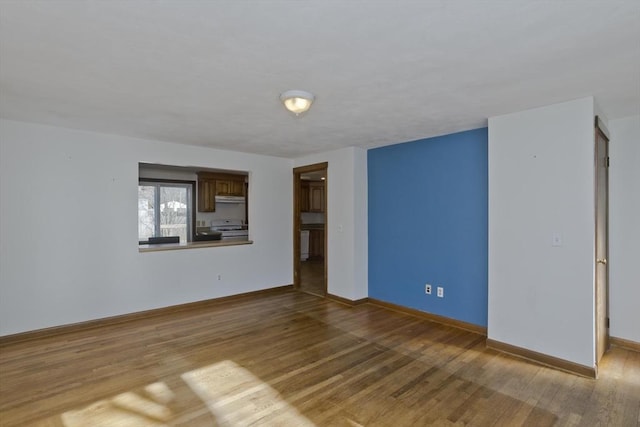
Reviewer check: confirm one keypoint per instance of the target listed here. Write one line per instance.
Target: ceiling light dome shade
(297, 101)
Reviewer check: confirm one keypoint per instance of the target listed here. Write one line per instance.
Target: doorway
(602, 239)
(310, 228)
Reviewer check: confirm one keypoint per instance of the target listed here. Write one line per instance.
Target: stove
(230, 228)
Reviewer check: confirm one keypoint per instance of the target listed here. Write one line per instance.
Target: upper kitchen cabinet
(312, 196)
(206, 193)
(316, 196)
(212, 184)
(230, 187)
(304, 196)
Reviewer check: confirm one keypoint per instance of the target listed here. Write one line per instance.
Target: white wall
(347, 226)
(541, 183)
(68, 227)
(624, 228)
(361, 224)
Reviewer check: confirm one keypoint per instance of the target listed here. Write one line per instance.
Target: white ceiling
(210, 72)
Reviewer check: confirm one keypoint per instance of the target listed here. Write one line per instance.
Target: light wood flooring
(293, 359)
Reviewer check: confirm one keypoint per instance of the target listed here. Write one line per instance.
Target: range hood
(230, 199)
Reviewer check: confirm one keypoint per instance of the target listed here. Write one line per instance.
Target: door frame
(297, 179)
(601, 135)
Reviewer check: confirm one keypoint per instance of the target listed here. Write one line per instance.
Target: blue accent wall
(428, 223)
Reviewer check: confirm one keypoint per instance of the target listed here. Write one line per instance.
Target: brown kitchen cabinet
(312, 196)
(212, 184)
(304, 196)
(316, 196)
(316, 244)
(230, 187)
(206, 193)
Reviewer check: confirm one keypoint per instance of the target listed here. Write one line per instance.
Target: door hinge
(607, 322)
(607, 161)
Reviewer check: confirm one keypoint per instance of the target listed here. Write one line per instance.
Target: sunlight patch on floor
(230, 393)
(160, 392)
(236, 397)
(125, 410)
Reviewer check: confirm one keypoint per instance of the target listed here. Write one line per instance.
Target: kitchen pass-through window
(165, 211)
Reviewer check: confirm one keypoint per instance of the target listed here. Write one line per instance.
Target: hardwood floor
(293, 359)
(312, 277)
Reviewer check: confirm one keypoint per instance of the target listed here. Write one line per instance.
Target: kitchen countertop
(312, 226)
(194, 245)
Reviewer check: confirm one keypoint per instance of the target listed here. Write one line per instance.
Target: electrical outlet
(219, 276)
(427, 289)
(440, 292)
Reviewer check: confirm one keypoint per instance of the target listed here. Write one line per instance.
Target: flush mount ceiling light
(297, 101)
